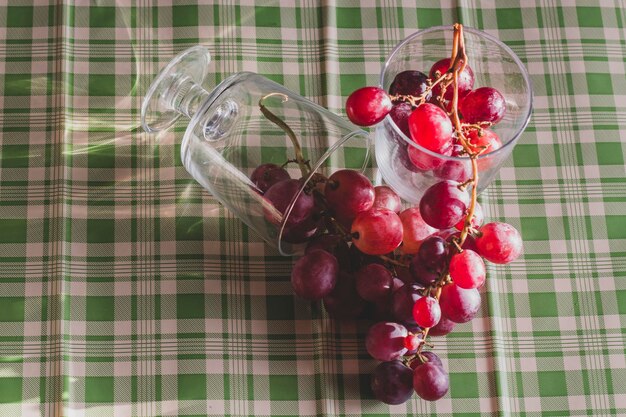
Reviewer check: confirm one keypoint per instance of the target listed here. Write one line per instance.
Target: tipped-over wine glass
(257, 147)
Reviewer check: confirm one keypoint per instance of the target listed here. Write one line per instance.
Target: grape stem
(421, 99)
(393, 261)
(304, 165)
(458, 61)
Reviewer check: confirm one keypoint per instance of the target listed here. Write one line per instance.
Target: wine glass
(247, 121)
(495, 65)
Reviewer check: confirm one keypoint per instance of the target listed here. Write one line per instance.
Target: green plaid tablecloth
(127, 290)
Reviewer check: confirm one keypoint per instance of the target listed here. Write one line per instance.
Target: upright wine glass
(495, 65)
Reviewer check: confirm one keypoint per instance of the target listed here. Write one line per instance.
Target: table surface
(125, 289)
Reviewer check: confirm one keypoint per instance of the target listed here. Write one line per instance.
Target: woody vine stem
(458, 61)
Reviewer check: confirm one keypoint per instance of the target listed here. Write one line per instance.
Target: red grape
(477, 219)
(314, 275)
(444, 327)
(402, 155)
(349, 193)
(455, 170)
(266, 175)
(368, 106)
(485, 104)
(377, 231)
(385, 341)
(465, 81)
(424, 161)
(414, 230)
(410, 83)
(280, 196)
(373, 282)
(443, 204)
(385, 197)
(487, 138)
(426, 312)
(458, 304)
(430, 381)
(400, 115)
(402, 302)
(499, 243)
(431, 128)
(392, 382)
(467, 269)
(412, 341)
(343, 302)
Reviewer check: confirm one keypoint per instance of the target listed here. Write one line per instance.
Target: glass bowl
(495, 65)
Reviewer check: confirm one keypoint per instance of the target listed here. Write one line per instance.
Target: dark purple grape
(373, 282)
(343, 302)
(280, 196)
(410, 83)
(392, 382)
(385, 341)
(433, 252)
(421, 274)
(327, 242)
(381, 310)
(400, 113)
(299, 233)
(266, 175)
(359, 259)
(485, 104)
(334, 244)
(404, 275)
(444, 204)
(402, 303)
(314, 275)
(430, 381)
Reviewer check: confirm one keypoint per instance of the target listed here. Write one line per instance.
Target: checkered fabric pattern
(127, 290)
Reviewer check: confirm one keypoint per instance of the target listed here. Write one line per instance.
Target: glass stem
(184, 95)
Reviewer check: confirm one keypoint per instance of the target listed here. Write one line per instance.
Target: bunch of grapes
(416, 271)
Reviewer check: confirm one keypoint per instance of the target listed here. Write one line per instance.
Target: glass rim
(480, 33)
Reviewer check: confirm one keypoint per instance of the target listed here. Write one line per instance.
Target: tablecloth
(126, 289)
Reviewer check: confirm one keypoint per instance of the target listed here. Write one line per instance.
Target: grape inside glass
(494, 65)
